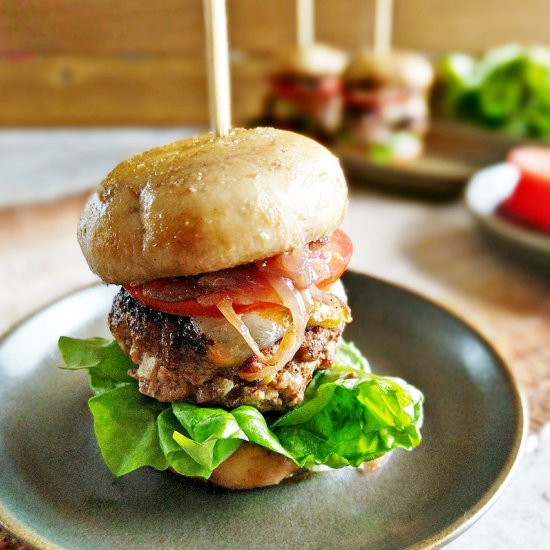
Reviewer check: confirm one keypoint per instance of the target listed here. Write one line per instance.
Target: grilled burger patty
(172, 354)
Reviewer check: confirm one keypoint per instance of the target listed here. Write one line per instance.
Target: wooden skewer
(305, 25)
(383, 26)
(217, 52)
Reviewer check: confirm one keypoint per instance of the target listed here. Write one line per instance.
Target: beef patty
(171, 352)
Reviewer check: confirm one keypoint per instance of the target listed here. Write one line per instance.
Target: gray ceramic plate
(56, 492)
(484, 194)
(430, 175)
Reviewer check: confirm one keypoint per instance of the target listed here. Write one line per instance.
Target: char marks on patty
(172, 351)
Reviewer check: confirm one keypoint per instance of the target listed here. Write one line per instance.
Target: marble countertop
(434, 249)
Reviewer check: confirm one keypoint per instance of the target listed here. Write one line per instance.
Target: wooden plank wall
(105, 62)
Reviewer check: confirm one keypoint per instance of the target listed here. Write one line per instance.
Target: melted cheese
(266, 327)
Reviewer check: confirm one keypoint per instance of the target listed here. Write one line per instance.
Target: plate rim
(406, 176)
(27, 535)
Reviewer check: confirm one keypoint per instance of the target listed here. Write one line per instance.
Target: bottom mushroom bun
(228, 361)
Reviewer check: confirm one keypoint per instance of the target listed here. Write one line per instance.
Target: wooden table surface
(434, 249)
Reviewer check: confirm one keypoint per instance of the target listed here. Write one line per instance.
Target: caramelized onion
(299, 304)
(331, 300)
(304, 266)
(226, 308)
(171, 290)
(219, 279)
(290, 279)
(320, 262)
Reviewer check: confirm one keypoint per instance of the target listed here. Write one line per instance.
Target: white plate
(487, 189)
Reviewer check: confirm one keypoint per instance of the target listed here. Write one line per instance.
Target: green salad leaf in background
(507, 89)
(348, 416)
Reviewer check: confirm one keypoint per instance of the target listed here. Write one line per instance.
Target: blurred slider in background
(376, 105)
(386, 104)
(306, 91)
(306, 85)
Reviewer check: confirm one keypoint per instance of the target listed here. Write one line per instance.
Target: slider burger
(306, 90)
(228, 362)
(386, 104)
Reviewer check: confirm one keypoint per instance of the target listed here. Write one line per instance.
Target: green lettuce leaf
(347, 421)
(188, 457)
(126, 427)
(348, 416)
(197, 439)
(350, 358)
(107, 364)
(207, 435)
(507, 89)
